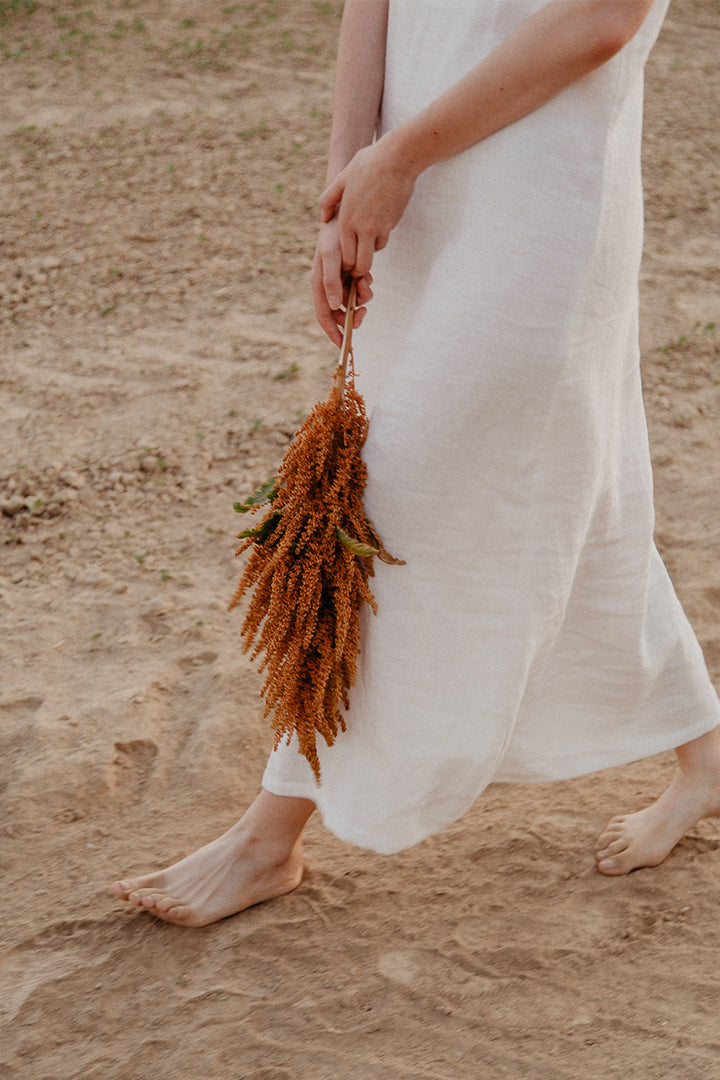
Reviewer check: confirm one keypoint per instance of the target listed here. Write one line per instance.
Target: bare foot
(231, 873)
(647, 837)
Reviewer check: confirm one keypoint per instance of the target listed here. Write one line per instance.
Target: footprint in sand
(131, 767)
(435, 975)
(516, 987)
(17, 718)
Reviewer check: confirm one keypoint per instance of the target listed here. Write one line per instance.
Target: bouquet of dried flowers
(310, 560)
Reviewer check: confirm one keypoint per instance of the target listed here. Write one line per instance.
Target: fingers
(363, 296)
(327, 316)
(356, 248)
(331, 274)
(356, 244)
(332, 320)
(330, 199)
(364, 251)
(327, 285)
(360, 314)
(348, 248)
(364, 289)
(328, 280)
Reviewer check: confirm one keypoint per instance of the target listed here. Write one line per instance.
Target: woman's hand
(367, 198)
(359, 209)
(330, 285)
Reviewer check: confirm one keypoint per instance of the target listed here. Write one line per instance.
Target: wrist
(346, 140)
(405, 153)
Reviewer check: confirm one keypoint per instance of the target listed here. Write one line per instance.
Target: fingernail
(608, 864)
(334, 302)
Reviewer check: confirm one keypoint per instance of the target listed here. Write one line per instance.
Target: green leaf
(263, 495)
(355, 546)
(383, 554)
(261, 532)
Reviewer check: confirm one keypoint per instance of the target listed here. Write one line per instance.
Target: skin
(647, 837)
(258, 858)
(368, 187)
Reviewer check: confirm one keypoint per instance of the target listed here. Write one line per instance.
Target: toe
(165, 904)
(179, 914)
(613, 827)
(613, 848)
(145, 897)
(612, 831)
(622, 863)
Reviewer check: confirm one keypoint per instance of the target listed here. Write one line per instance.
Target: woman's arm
(561, 43)
(359, 77)
(564, 41)
(358, 92)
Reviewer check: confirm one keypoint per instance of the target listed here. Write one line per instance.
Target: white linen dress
(534, 633)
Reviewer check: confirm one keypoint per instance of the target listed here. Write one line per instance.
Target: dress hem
(408, 835)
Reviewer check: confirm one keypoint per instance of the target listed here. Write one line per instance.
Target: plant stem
(347, 334)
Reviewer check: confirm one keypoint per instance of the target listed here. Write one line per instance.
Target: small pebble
(12, 505)
(73, 479)
(91, 576)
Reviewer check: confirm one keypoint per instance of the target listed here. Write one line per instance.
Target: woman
(533, 633)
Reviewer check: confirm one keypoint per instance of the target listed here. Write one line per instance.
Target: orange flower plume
(309, 565)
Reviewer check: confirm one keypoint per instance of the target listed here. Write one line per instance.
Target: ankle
(263, 845)
(702, 773)
(271, 828)
(696, 788)
(699, 760)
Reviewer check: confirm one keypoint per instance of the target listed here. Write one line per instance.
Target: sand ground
(159, 168)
